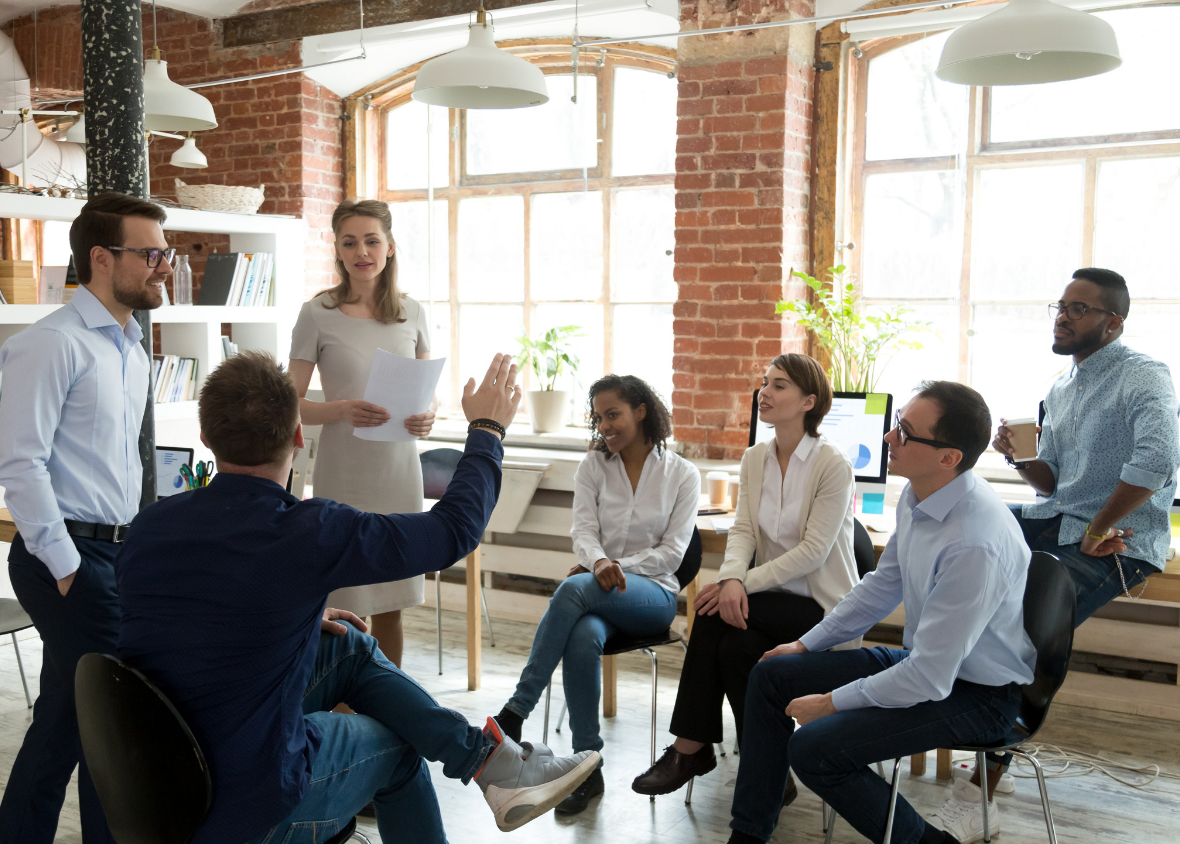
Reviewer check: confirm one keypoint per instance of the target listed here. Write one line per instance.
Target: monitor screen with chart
(857, 424)
(169, 459)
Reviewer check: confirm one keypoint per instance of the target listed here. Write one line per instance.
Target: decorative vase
(549, 410)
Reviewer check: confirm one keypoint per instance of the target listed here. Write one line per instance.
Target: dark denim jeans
(85, 621)
(380, 753)
(832, 755)
(1096, 579)
(580, 618)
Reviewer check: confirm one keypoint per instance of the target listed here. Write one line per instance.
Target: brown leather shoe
(674, 769)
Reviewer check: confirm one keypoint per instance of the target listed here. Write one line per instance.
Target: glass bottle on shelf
(182, 281)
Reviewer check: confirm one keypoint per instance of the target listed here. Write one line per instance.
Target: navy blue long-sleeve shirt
(222, 591)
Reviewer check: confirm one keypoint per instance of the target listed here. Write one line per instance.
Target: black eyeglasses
(1074, 310)
(153, 256)
(904, 438)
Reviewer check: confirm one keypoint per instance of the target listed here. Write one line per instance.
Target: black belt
(104, 533)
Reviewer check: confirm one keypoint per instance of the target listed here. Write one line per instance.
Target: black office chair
(147, 767)
(13, 619)
(1049, 607)
(689, 566)
(862, 549)
(438, 467)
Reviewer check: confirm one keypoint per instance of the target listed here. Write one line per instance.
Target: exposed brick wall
(742, 184)
(284, 132)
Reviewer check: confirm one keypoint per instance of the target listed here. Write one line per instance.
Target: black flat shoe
(510, 724)
(673, 770)
(582, 795)
(791, 793)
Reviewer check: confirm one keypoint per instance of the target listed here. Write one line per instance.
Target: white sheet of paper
(721, 525)
(403, 386)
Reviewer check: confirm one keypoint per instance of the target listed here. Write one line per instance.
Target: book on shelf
(228, 348)
(175, 378)
(53, 284)
(238, 278)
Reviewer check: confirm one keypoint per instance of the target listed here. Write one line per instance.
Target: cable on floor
(1067, 762)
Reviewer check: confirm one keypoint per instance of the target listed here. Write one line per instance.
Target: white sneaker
(965, 770)
(962, 815)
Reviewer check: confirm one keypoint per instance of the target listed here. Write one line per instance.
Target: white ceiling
(205, 8)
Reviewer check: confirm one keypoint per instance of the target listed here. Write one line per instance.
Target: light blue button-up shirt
(1112, 418)
(959, 563)
(72, 400)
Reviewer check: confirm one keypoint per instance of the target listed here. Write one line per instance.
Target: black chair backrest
(862, 549)
(691, 564)
(438, 467)
(1049, 606)
(146, 765)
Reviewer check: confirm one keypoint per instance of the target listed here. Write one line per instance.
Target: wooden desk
(7, 527)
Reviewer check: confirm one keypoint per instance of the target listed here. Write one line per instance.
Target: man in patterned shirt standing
(1105, 473)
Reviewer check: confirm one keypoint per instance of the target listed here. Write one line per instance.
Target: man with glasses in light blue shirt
(959, 563)
(72, 400)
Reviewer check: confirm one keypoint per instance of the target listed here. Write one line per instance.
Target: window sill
(454, 430)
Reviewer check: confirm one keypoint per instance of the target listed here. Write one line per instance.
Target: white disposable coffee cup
(734, 482)
(717, 484)
(1022, 433)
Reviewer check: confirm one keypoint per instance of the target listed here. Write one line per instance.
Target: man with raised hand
(74, 395)
(223, 592)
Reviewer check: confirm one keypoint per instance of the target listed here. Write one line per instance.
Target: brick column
(742, 184)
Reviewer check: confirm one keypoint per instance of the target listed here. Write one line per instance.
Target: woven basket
(242, 200)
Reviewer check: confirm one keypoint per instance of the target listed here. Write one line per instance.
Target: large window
(975, 206)
(557, 215)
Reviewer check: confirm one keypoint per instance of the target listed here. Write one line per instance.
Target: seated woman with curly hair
(635, 506)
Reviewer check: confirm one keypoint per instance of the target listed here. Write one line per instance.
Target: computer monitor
(169, 459)
(857, 424)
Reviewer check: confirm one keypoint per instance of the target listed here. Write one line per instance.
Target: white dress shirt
(646, 531)
(780, 509)
(72, 400)
(959, 564)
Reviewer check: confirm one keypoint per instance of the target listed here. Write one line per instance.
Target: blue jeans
(831, 755)
(580, 618)
(1096, 579)
(85, 620)
(380, 753)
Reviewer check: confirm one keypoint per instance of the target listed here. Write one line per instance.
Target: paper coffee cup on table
(734, 481)
(1023, 436)
(717, 484)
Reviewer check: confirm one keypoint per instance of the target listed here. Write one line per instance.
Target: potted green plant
(549, 356)
(859, 344)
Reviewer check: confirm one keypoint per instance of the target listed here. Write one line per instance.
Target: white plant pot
(549, 410)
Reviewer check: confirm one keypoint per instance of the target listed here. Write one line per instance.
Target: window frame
(977, 154)
(554, 59)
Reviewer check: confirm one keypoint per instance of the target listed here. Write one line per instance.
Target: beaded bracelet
(488, 423)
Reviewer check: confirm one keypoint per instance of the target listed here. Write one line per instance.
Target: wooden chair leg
(918, 764)
(610, 677)
(690, 595)
(944, 764)
(474, 634)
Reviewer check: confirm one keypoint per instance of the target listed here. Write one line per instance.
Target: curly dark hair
(657, 424)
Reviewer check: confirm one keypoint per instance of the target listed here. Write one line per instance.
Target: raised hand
(497, 397)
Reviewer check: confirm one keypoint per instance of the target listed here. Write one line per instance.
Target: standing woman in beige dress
(340, 331)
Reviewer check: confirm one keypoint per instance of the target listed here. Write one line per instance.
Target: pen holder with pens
(198, 477)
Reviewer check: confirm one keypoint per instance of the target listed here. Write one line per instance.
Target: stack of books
(175, 378)
(18, 285)
(228, 348)
(238, 278)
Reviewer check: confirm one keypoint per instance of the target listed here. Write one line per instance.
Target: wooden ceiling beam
(295, 22)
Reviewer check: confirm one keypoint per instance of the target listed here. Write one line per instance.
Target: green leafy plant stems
(859, 344)
(550, 354)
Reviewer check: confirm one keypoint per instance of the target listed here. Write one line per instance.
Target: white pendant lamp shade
(189, 156)
(480, 75)
(76, 134)
(1029, 42)
(169, 107)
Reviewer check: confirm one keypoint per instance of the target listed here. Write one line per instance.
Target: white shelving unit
(192, 330)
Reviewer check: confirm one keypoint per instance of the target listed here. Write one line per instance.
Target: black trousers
(85, 620)
(720, 659)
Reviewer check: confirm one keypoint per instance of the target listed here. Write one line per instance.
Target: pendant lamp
(480, 75)
(1029, 42)
(169, 107)
(189, 156)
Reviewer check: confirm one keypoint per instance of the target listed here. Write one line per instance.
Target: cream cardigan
(824, 555)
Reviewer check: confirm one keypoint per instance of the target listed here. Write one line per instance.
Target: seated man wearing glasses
(959, 564)
(223, 591)
(1105, 473)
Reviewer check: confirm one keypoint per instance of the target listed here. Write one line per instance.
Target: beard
(1080, 343)
(137, 295)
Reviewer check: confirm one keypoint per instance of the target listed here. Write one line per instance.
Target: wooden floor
(1087, 809)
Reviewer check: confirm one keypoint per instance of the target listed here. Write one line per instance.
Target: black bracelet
(488, 423)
